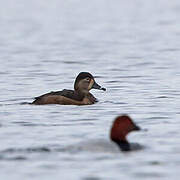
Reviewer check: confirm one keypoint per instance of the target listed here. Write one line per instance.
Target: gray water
(131, 47)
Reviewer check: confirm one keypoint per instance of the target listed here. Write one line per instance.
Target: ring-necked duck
(79, 96)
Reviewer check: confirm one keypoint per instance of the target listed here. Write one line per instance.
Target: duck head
(85, 82)
(121, 126)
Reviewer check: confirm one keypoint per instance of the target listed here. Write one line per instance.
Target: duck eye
(88, 79)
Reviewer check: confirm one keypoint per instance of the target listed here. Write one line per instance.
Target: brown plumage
(79, 96)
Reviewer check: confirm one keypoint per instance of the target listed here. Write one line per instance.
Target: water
(131, 47)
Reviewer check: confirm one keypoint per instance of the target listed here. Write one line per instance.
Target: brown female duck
(79, 96)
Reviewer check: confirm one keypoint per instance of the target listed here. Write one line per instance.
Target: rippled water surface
(131, 47)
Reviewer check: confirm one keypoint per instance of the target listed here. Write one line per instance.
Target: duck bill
(97, 86)
(136, 128)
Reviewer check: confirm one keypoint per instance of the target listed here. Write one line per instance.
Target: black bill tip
(104, 89)
(136, 128)
(97, 86)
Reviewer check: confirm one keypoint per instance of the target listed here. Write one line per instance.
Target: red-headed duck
(79, 96)
(121, 126)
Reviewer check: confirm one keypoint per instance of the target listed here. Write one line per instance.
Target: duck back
(65, 93)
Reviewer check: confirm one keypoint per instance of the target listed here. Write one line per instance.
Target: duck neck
(123, 145)
(79, 94)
